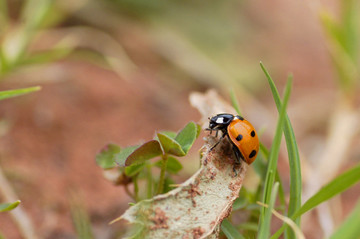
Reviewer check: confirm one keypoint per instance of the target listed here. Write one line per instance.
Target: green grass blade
(234, 101)
(4, 207)
(350, 227)
(264, 230)
(13, 93)
(274, 152)
(336, 186)
(293, 154)
(81, 221)
(230, 231)
(260, 168)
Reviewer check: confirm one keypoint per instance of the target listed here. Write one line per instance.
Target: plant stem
(20, 217)
(128, 192)
(136, 189)
(149, 181)
(162, 174)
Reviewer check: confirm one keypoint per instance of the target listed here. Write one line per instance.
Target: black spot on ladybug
(252, 133)
(239, 137)
(252, 154)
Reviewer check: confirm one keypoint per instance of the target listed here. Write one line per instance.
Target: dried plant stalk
(198, 206)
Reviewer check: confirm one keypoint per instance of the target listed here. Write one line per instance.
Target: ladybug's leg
(238, 154)
(223, 136)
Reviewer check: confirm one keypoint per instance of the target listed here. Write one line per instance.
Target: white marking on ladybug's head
(220, 120)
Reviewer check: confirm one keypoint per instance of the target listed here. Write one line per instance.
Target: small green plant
(261, 203)
(134, 162)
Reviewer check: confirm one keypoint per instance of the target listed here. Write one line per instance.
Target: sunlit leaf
(187, 136)
(4, 207)
(170, 145)
(13, 93)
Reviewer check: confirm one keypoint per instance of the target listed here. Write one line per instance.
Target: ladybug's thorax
(220, 121)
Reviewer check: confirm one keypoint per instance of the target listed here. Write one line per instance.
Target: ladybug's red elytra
(241, 134)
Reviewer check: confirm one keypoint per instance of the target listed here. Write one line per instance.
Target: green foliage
(274, 152)
(293, 154)
(13, 93)
(105, 159)
(230, 231)
(350, 227)
(15, 41)
(344, 42)
(81, 221)
(134, 161)
(4, 207)
(173, 165)
(336, 186)
(264, 230)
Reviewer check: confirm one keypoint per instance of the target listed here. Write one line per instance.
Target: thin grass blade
(264, 230)
(274, 152)
(293, 154)
(13, 93)
(350, 227)
(230, 231)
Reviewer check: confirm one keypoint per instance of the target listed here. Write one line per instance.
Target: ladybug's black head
(220, 121)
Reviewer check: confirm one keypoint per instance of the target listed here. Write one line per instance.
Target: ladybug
(241, 134)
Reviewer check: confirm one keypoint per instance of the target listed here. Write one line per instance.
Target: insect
(241, 134)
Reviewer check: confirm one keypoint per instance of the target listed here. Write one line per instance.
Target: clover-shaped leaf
(187, 136)
(170, 145)
(105, 158)
(138, 154)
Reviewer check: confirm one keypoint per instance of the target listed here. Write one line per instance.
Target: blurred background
(120, 70)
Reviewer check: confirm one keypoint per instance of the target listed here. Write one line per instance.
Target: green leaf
(249, 226)
(12, 93)
(274, 152)
(336, 186)
(170, 134)
(121, 157)
(187, 136)
(134, 169)
(169, 145)
(198, 130)
(106, 158)
(293, 154)
(147, 151)
(230, 231)
(350, 227)
(4, 207)
(173, 165)
(264, 228)
(239, 203)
